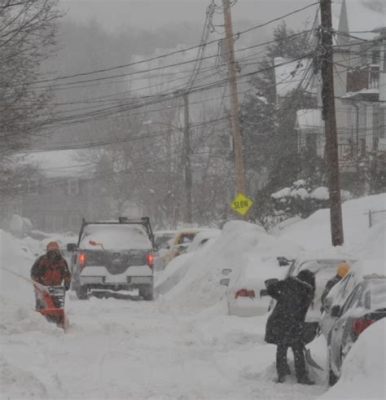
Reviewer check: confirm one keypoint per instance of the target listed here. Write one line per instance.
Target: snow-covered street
(119, 349)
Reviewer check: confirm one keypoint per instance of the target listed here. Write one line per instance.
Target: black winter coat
(286, 323)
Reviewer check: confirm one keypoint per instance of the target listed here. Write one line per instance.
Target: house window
(73, 187)
(382, 123)
(311, 143)
(384, 59)
(375, 57)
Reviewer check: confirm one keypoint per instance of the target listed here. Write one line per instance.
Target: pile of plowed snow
(364, 369)
(192, 281)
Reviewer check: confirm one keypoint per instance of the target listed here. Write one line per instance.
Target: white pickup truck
(113, 256)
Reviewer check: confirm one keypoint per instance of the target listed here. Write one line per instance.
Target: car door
(341, 329)
(336, 297)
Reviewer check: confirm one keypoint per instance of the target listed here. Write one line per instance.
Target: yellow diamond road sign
(242, 204)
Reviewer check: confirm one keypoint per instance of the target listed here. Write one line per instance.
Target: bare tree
(27, 36)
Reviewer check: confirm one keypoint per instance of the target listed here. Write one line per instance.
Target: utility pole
(235, 108)
(328, 99)
(187, 162)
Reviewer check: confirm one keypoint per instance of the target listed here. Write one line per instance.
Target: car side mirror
(335, 311)
(270, 282)
(224, 281)
(283, 261)
(71, 247)
(263, 292)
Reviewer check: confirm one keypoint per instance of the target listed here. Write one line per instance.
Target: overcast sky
(148, 14)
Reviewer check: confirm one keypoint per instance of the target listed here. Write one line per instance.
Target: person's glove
(66, 286)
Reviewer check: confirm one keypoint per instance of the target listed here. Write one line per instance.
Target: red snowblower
(51, 304)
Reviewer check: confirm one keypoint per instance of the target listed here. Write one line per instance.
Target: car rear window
(114, 237)
(186, 238)
(377, 288)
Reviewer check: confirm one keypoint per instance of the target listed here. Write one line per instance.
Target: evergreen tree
(268, 125)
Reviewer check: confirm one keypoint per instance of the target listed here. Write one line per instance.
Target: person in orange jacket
(50, 269)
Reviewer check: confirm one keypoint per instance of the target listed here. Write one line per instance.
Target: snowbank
(314, 232)
(364, 369)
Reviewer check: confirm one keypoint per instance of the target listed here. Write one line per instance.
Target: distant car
(202, 238)
(113, 256)
(324, 269)
(245, 293)
(178, 244)
(365, 304)
(162, 238)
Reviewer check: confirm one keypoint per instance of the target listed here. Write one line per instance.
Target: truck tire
(147, 293)
(81, 292)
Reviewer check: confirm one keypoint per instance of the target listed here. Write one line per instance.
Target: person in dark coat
(285, 325)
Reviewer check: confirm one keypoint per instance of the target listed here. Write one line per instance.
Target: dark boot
(305, 380)
(287, 370)
(300, 364)
(281, 362)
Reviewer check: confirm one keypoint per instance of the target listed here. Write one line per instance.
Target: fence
(376, 216)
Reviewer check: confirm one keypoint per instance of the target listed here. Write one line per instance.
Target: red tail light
(245, 293)
(82, 260)
(150, 260)
(360, 325)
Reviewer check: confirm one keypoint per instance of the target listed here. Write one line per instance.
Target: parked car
(324, 269)
(113, 256)
(178, 244)
(337, 296)
(245, 293)
(202, 238)
(365, 304)
(162, 239)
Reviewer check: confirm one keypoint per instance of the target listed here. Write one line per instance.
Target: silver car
(365, 304)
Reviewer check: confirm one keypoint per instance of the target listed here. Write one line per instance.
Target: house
(360, 93)
(63, 189)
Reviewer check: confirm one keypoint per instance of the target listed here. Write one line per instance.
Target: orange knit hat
(343, 269)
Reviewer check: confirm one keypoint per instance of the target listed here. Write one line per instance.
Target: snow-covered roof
(362, 92)
(309, 119)
(63, 163)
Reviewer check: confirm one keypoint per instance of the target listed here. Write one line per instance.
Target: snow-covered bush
(301, 199)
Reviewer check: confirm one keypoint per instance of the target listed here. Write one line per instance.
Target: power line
(113, 68)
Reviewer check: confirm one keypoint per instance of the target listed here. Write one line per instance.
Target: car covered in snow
(162, 238)
(202, 238)
(245, 292)
(113, 256)
(365, 304)
(178, 244)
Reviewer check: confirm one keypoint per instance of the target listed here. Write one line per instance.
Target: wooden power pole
(235, 108)
(328, 99)
(187, 162)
